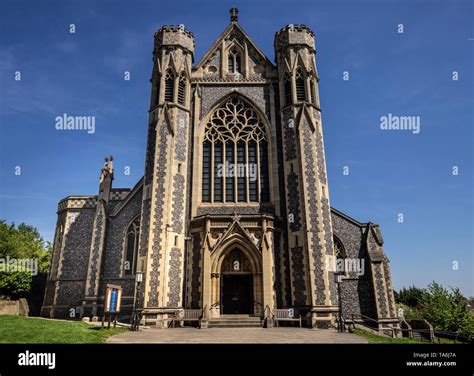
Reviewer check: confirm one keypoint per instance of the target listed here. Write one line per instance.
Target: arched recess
(131, 237)
(251, 269)
(264, 157)
(236, 241)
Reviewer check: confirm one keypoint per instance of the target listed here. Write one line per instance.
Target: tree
(411, 296)
(23, 243)
(444, 309)
(447, 310)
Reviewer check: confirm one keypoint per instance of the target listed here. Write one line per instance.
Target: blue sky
(390, 172)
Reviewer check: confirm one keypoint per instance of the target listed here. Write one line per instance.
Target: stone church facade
(232, 215)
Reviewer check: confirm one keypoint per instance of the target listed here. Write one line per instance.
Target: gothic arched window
(169, 86)
(339, 253)
(288, 95)
(236, 262)
(131, 247)
(235, 155)
(234, 62)
(300, 85)
(181, 88)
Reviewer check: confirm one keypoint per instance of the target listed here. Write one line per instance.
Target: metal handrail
(436, 333)
(393, 330)
(445, 334)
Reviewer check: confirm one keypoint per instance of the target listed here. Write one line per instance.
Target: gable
(214, 64)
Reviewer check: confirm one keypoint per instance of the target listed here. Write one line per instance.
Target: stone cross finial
(235, 217)
(234, 14)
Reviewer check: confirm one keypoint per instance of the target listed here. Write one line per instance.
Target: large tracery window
(235, 155)
(131, 247)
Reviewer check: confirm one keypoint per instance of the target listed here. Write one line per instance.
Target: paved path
(236, 335)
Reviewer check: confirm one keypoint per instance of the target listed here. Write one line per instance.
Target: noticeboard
(113, 299)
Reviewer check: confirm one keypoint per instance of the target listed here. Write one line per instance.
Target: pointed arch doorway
(236, 279)
(237, 295)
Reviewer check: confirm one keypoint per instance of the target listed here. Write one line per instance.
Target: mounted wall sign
(113, 299)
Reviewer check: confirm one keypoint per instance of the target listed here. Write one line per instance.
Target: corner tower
(310, 237)
(162, 240)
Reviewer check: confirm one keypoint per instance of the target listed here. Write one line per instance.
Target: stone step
(237, 317)
(235, 321)
(234, 324)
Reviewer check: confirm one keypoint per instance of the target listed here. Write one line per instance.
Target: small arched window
(131, 247)
(340, 255)
(169, 86)
(300, 85)
(181, 88)
(234, 62)
(288, 95)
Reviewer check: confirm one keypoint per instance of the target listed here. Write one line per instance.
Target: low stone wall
(14, 307)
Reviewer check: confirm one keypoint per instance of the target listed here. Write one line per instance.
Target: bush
(25, 243)
(410, 313)
(411, 296)
(444, 309)
(15, 284)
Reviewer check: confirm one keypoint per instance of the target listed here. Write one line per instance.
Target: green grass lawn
(374, 338)
(19, 329)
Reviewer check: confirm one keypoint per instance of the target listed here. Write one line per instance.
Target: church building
(232, 215)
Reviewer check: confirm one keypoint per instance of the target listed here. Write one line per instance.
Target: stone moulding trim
(160, 176)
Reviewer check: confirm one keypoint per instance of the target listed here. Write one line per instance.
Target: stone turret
(309, 218)
(163, 224)
(294, 35)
